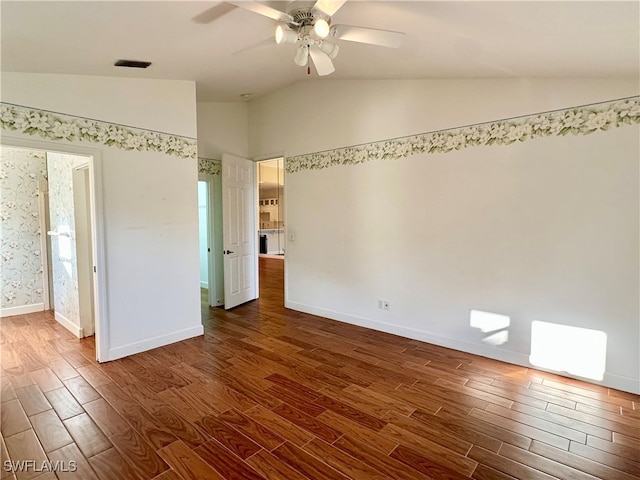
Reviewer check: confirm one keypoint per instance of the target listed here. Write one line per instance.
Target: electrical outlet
(385, 305)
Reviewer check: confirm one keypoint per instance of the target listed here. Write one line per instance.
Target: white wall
(149, 204)
(160, 105)
(339, 113)
(223, 127)
(541, 230)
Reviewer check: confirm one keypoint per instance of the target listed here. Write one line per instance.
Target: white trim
(44, 249)
(155, 342)
(626, 384)
(618, 382)
(21, 310)
(256, 221)
(95, 173)
(286, 235)
(101, 314)
(271, 156)
(215, 265)
(68, 324)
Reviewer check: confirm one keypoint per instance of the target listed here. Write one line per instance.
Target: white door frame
(44, 248)
(86, 326)
(97, 227)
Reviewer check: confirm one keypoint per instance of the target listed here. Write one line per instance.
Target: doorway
(271, 207)
(71, 242)
(271, 231)
(204, 242)
(210, 241)
(65, 211)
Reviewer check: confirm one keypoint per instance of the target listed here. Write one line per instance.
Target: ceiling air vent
(132, 64)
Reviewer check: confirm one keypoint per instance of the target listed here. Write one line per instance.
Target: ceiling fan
(308, 25)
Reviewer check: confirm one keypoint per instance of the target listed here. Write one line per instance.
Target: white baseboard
(155, 342)
(68, 324)
(618, 382)
(204, 284)
(21, 310)
(626, 384)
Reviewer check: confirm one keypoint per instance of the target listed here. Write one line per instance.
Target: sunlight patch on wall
(575, 350)
(493, 323)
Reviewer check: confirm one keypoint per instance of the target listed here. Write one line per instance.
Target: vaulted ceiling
(448, 39)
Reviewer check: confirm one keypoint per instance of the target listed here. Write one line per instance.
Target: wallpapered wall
(64, 262)
(21, 261)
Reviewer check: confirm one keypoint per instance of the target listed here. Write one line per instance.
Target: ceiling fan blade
(373, 36)
(328, 7)
(324, 65)
(214, 13)
(264, 10)
(267, 42)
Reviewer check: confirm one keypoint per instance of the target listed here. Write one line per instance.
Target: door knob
(226, 252)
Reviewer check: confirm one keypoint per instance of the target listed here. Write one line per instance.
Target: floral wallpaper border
(58, 126)
(209, 166)
(580, 120)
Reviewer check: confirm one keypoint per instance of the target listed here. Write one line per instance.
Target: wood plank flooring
(270, 393)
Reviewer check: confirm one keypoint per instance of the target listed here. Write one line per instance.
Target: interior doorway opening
(71, 242)
(271, 231)
(210, 242)
(60, 200)
(204, 241)
(271, 207)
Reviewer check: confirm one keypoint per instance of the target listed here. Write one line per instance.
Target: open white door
(239, 230)
(84, 247)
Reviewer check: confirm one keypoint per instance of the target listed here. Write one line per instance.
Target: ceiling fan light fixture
(285, 35)
(331, 49)
(309, 26)
(302, 55)
(321, 28)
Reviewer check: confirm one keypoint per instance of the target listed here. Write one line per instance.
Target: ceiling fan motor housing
(305, 17)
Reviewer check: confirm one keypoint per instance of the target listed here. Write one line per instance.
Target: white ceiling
(451, 39)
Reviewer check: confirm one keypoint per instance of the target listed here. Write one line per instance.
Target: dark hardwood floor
(269, 393)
